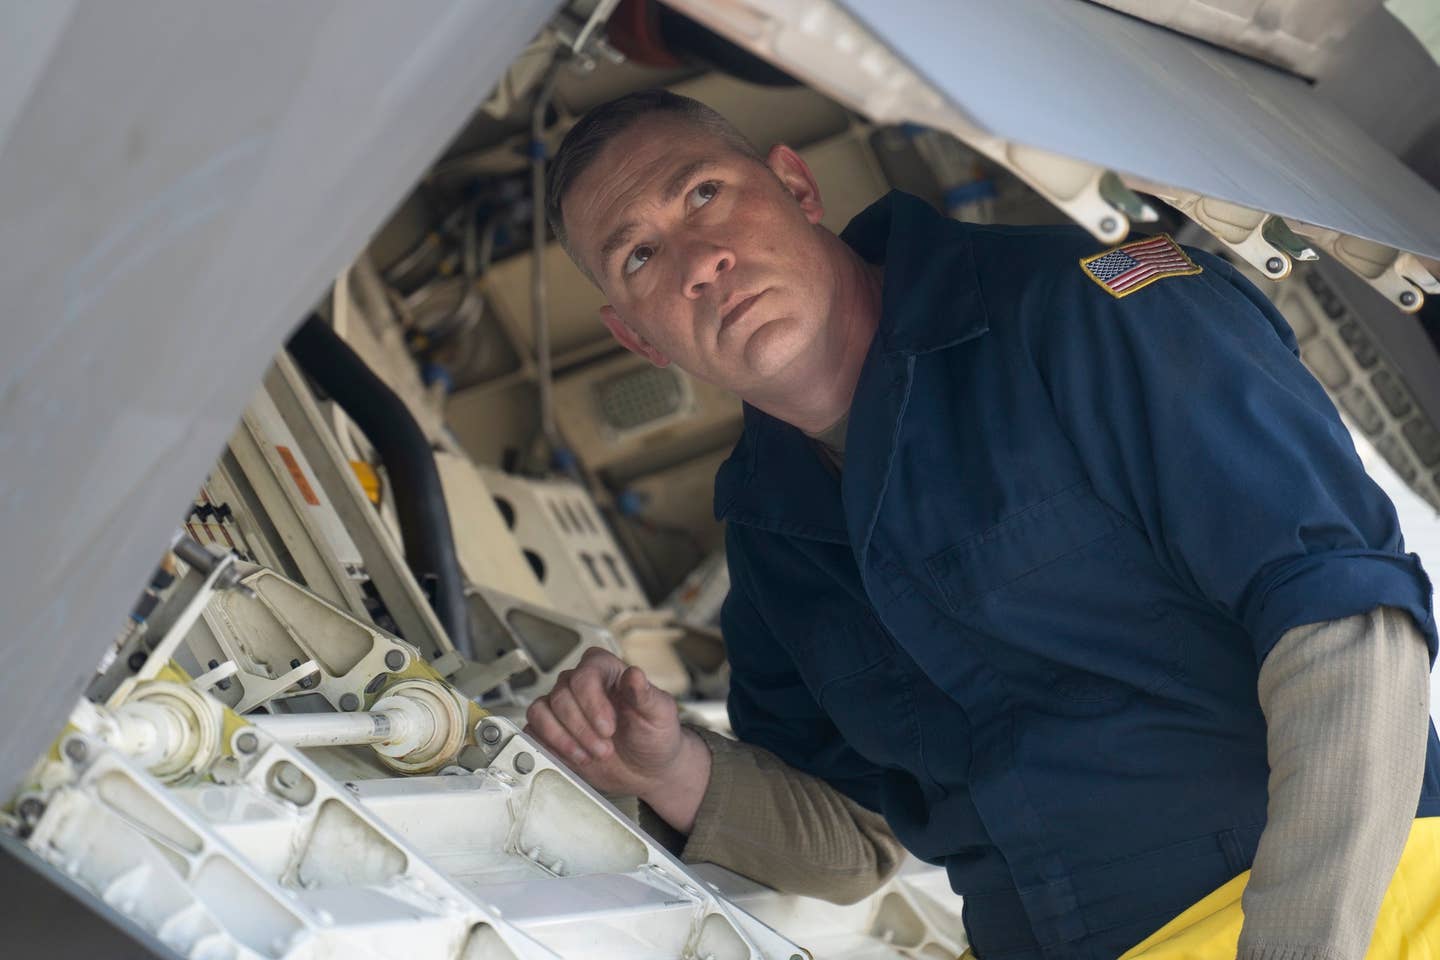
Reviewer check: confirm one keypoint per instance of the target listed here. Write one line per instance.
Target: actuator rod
(326, 729)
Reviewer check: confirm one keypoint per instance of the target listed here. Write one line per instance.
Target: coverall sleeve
(1194, 417)
(771, 707)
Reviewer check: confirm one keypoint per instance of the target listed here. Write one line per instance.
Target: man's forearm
(1347, 706)
(678, 797)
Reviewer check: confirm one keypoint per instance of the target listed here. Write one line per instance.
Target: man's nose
(705, 263)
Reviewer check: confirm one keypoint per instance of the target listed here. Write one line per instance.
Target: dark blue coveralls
(1026, 621)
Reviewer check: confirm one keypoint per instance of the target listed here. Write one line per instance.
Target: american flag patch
(1124, 269)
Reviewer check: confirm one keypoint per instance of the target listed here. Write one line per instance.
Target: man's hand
(623, 735)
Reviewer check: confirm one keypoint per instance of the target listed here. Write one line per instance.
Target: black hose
(409, 463)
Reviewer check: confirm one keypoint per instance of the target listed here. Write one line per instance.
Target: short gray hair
(603, 123)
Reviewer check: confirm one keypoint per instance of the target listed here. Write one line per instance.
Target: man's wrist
(676, 797)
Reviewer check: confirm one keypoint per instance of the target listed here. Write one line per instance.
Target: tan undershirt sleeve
(788, 830)
(1347, 709)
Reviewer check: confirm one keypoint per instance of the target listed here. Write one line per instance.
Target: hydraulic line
(409, 461)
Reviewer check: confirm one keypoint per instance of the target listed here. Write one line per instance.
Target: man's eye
(637, 259)
(703, 194)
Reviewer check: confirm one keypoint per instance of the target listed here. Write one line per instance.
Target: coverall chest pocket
(1064, 590)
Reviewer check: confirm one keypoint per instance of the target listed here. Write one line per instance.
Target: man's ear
(629, 339)
(795, 174)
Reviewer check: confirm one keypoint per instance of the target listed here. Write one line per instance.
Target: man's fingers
(550, 731)
(590, 692)
(642, 695)
(602, 664)
(605, 661)
(567, 710)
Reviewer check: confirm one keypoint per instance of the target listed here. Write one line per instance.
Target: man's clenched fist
(623, 735)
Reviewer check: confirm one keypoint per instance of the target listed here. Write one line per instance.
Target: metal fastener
(76, 750)
(524, 763)
(1109, 225)
(1408, 298)
(306, 683)
(247, 742)
(395, 659)
(490, 733)
(1274, 265)
(349, 703)
(31, 809)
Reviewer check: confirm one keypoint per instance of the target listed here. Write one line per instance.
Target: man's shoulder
(1040, 243)
(1053, 271)
(1065, 254)
(1022, 266)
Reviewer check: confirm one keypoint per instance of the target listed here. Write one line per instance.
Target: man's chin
(769, 364)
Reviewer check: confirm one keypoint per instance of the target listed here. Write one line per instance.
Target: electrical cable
(408, 459)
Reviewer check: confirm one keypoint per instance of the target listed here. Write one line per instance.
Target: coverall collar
(920, 249)
(928, 260)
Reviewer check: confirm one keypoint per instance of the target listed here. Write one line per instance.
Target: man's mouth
(739, 310)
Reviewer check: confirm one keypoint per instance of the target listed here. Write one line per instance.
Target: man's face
(709, 258)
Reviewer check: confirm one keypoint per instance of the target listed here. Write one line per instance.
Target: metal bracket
(1265, 242)
(1400, 277)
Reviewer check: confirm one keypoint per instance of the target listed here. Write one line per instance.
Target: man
(1058, 562)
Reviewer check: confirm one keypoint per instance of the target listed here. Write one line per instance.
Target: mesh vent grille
(641, 397)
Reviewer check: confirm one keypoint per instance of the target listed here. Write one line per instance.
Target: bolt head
(76, 750)
(247, 742)
(524, 763)
(349, 703)
(1408, 298)
(394, 660)
(1274, 265)
(490, 733)
(1109, 225)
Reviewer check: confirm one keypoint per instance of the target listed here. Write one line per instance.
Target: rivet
(76, 750)
(247, 742)
(1274, 265)
(524, 763)
(395, 659)
(1408, 298)
(490, 733)
(1109, 225)
(349, 703)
